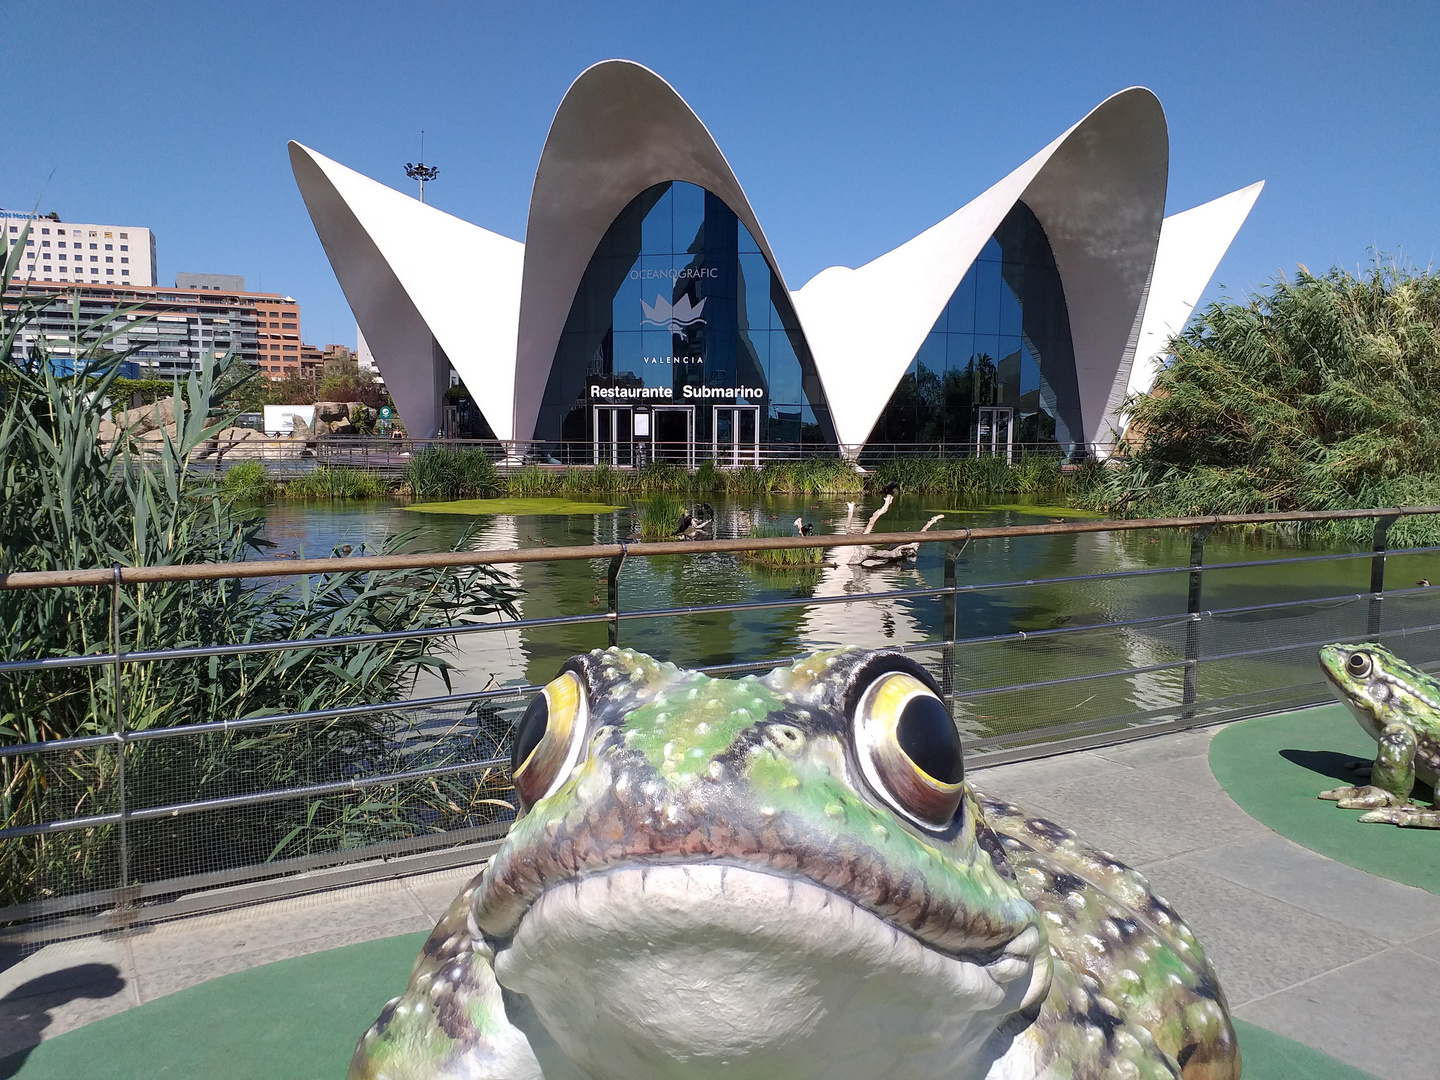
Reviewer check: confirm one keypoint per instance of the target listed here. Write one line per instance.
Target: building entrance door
(995, 432)
(737, 435)
(614, 435)
(673, 439)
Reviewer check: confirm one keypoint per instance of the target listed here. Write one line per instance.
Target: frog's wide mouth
(734, 960)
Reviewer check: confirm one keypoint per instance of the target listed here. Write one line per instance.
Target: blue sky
(852, 126)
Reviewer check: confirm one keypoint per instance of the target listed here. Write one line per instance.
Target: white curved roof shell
(1098, 192)
(420, 280)
(1192, 243)
(619, 130)
(415, 278)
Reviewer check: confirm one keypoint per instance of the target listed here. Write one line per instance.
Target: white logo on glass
(678, 317)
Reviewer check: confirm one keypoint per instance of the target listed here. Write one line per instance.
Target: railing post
(119, 688)
(950, 617)
(1192, 609)
(612, 593)
(1377, 573)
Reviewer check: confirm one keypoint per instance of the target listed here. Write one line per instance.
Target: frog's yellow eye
(548, 739)
(909, 749)
(1358, 665)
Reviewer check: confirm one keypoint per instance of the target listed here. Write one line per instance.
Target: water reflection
(514, 657)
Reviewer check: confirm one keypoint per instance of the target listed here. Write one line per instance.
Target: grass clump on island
(1318, 394)
(660, 518)
(68, 500)
(793, 558)
(249, 482)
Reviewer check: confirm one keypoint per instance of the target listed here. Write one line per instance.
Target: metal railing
(287, 455)
(1258, 648)
(391, 455)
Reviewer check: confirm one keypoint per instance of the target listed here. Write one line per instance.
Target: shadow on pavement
(25, 1010)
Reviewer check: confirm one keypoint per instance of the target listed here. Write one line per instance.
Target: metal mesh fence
(105, 830)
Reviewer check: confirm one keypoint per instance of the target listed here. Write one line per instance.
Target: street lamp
(419, 170)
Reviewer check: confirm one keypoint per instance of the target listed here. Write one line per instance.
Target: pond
(514, 657)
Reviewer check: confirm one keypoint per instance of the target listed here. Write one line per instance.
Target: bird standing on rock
(803, 528)
(685, 521)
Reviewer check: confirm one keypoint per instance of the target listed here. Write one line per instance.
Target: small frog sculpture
(1399, 707)
(789, 878)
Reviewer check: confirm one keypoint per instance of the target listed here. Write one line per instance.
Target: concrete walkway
(1306, 947)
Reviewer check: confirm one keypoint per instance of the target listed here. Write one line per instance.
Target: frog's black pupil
(530, 731)
(928, 736)
(1357, 663)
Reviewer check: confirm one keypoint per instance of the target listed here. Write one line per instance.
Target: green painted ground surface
(1274, 766)
(299, 1020)
(517, 507)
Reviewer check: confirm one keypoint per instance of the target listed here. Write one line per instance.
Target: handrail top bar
(132, 575)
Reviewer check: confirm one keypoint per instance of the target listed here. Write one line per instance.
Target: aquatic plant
(68, 500)
(1321, 393)
(1032, 474)
(337, 482)
(785, 558)
(443, 474)
(247, 481)
(659, 517)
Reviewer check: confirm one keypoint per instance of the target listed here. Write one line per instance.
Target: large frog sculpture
(1398, 705)
(789, 878)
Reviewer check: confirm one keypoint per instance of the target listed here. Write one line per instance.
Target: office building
(169, 328)
(93, 254)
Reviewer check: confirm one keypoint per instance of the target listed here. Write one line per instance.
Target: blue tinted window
(677, 295)
(1006, 344)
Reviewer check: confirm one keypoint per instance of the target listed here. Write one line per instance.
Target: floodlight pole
(418, 170)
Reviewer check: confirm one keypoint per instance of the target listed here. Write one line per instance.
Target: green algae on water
(515, 507)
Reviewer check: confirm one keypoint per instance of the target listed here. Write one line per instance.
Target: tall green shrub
(1318, 394)
(67, 500)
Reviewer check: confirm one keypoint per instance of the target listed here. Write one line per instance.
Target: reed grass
(659, 517)
(1317, 394)
(336, 482)
(796, 558)
(247, 481)
(68, 500)
(441, 475)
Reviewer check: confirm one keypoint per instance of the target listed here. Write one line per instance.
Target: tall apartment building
(172, 328)
(70, 252)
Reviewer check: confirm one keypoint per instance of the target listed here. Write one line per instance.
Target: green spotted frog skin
(788, 878)
(1398, 705)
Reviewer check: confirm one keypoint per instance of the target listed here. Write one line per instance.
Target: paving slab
(1145, 814)
(1285, 871)
(1160, 749)
(434, 892)
(171, 974)
(1379, 1014)
(1258, 945)
(1429, 945)
(1012, 781)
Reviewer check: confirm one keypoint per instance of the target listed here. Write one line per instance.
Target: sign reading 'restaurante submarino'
(666, 393)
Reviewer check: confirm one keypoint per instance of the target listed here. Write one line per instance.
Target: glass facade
(680, 335)
(998, 363)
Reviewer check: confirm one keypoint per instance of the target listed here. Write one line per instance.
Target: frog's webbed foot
(1363, 798)
(452, 1020)
(1411, 816)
